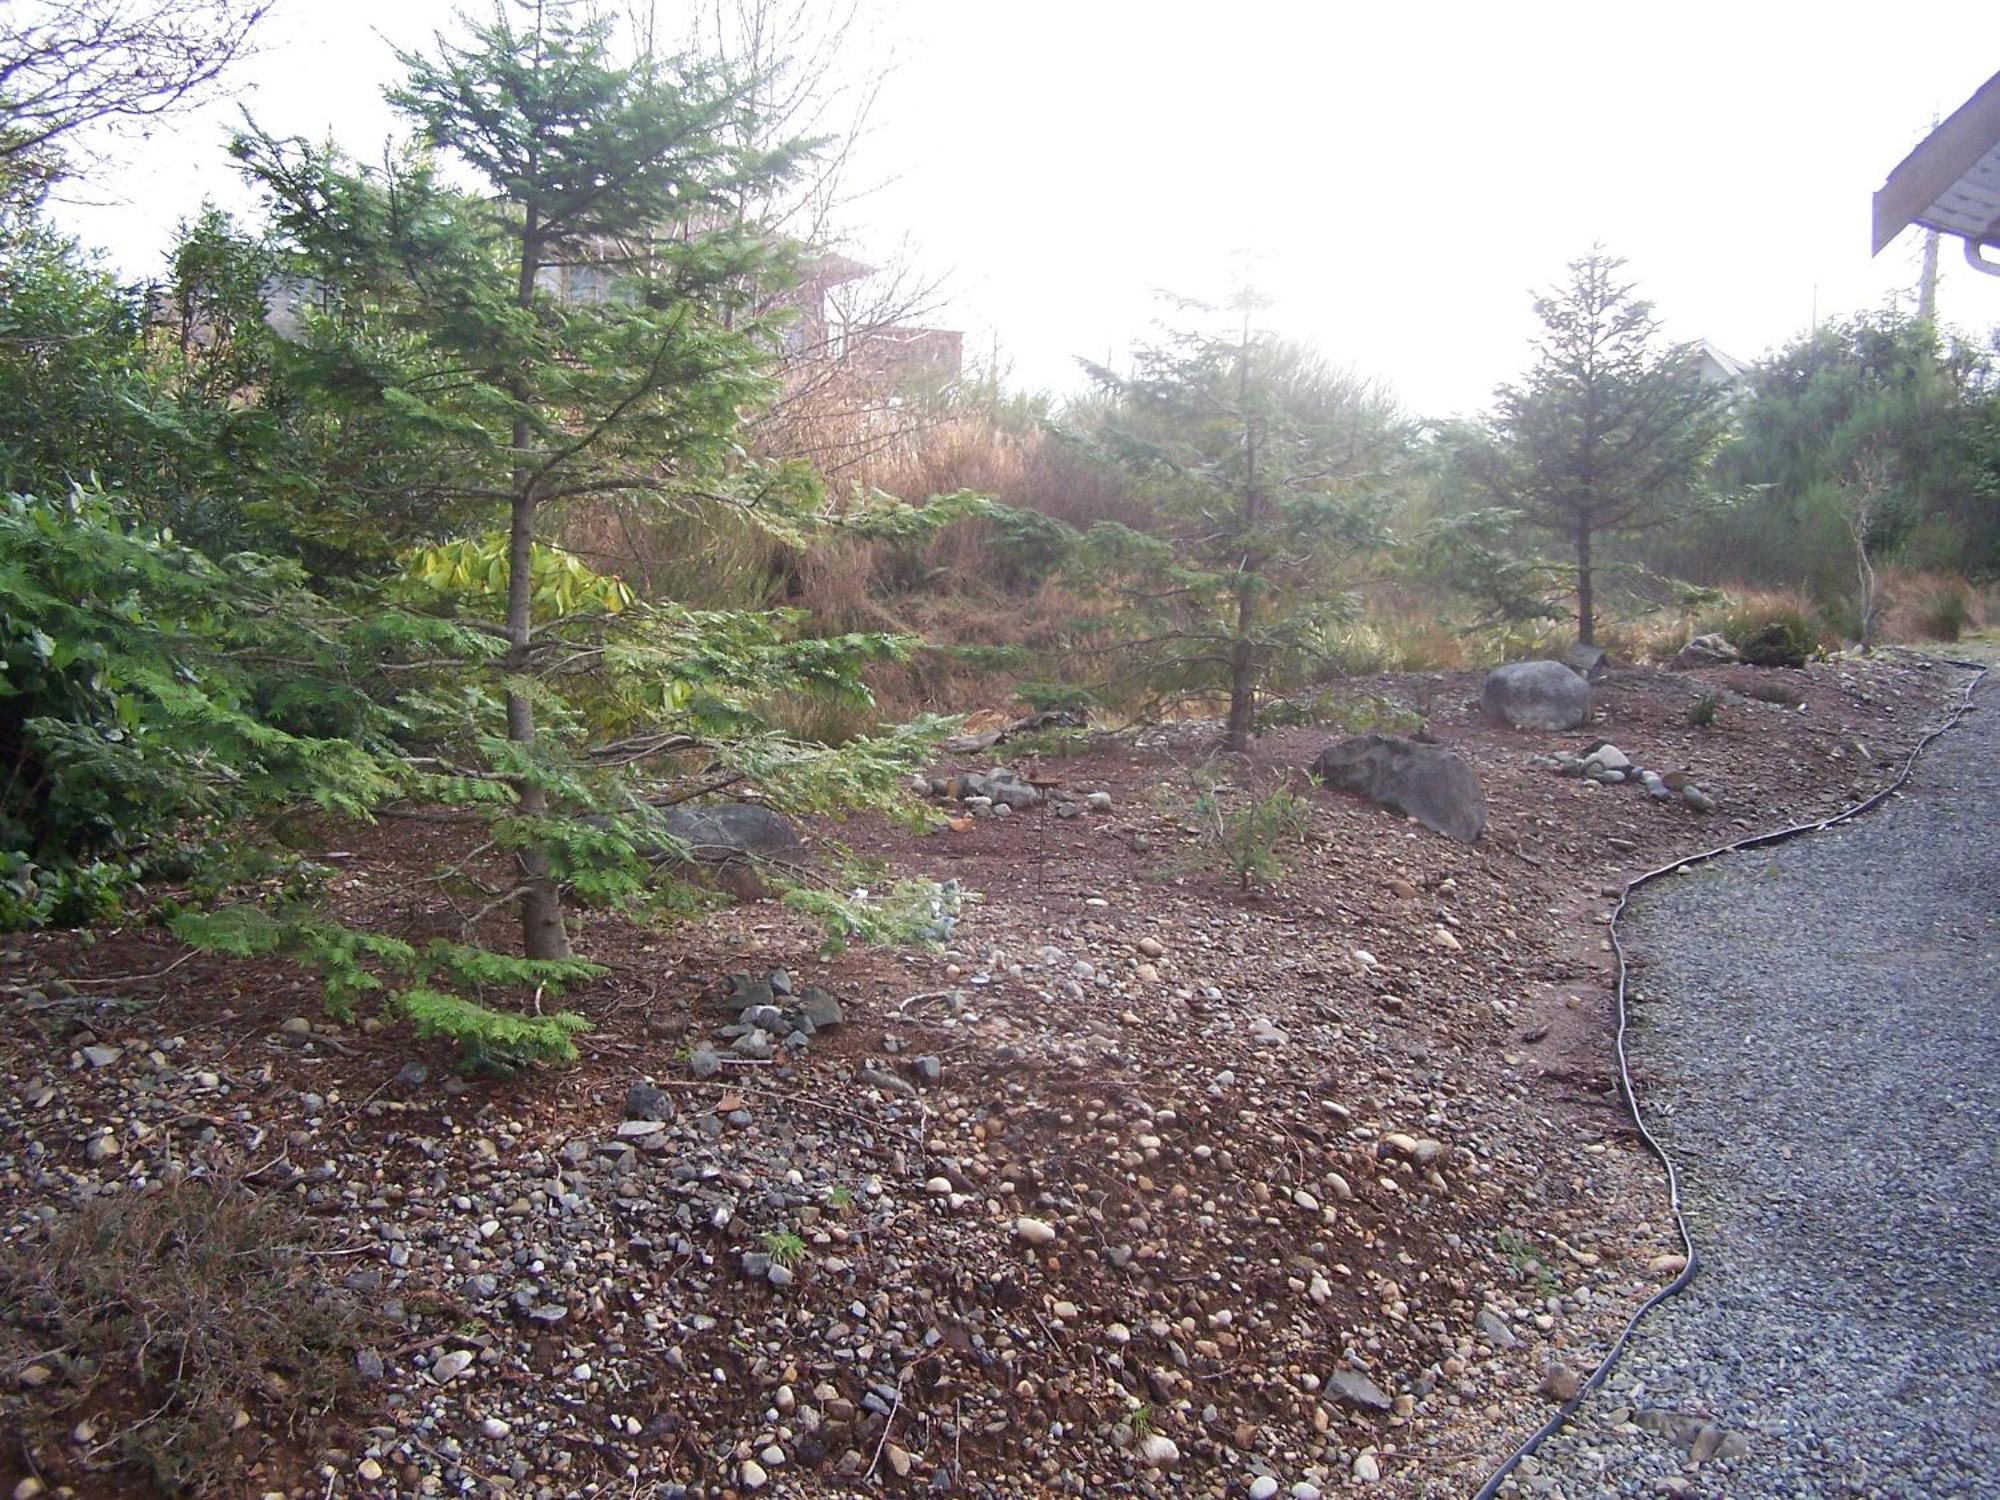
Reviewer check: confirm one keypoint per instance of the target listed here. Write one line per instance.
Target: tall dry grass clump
(990, 606)
(993, 607)
(1930, 605)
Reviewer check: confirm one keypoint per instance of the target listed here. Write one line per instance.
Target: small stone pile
(1001, 793)
(769, 1014)
(1607, 765)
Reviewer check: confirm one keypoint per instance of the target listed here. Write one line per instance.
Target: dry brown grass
(1749, 603)
(993, 616)
(1930, 606)
(174, 1313)
(1649, 639)
(713, 561)
(962, 587)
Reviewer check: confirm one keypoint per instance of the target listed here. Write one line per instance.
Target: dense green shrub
(1920, 402)
(145, 689)
(1773, 636)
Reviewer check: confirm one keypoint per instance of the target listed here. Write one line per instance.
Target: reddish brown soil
(1482, 1024)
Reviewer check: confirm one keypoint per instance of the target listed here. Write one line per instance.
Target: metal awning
(1951, 182)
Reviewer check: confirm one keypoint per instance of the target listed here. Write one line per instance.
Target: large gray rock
(1002, 787)
(727, 841)
(723, 831)
(1426, 782)
(1536, 695)
(1588, 662)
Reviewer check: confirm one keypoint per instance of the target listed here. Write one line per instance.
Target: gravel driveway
(1819, 1047)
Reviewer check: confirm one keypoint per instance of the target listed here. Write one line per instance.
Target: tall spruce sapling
(168, 713)
(1264, 468)
(1611, 433)
(530, 397)
(459, 326)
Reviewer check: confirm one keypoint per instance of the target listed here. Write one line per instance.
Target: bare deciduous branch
(69, 64)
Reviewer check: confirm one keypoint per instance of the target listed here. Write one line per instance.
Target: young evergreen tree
(425, 374)
(1612, 431)
(573, 329)
(1261, 463)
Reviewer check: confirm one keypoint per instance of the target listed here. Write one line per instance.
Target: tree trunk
(1866, 569)
(542, 931)
(1242, 651)
(1586, 611)
(1242, 671)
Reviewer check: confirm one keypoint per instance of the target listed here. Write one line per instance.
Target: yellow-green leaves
(563, 583)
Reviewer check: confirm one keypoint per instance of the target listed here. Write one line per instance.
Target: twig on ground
(118, 979)
(888, 1426)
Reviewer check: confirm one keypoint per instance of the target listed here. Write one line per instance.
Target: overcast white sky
(1404, 174)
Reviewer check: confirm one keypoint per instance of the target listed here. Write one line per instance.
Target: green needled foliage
(1611, 433)
(1882, 392)
(146, 688)
(582, 325)
(1265, 468)
(401, 387)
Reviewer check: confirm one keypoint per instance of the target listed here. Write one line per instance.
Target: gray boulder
(1426, 782)
(723, 831)
(1536, 695)
(1588, 662)
(726, 841)
(1003, 787)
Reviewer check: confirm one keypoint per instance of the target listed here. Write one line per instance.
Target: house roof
(1727, 368)
(1951, 182)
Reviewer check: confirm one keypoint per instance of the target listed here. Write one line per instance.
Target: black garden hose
(1679, 1284)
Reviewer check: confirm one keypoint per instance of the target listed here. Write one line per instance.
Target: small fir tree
(449, 357)
(1611, 433)
(1262, 465)
(468, 337)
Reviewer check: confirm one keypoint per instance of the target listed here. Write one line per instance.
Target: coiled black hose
(1679, 1284)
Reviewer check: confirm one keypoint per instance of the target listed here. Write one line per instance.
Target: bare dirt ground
(1144, 1185)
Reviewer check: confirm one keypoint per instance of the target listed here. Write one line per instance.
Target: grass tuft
(184, 1309)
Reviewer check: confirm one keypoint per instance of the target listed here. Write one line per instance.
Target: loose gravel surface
(1818, 1049)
